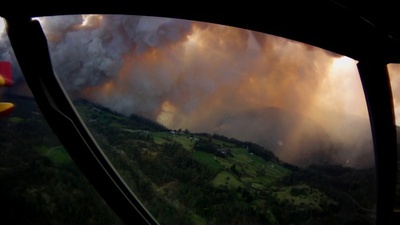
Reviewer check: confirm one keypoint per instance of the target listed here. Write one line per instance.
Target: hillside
(300, 140)
(180, 176)
(39, 182)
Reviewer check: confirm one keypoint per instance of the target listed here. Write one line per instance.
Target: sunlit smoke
(394, 75)
(304, 103)
(2, 26)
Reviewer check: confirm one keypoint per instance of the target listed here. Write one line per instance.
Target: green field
(304, 196)
(225, 178)
(16, 119)
(161, 137)
(208, 159)
(253, 170)
(184, 140)
(57, 154)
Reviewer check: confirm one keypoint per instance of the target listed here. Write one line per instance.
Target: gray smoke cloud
(89, 51)
(281, 94)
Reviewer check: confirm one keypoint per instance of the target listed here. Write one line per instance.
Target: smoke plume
(303, 103)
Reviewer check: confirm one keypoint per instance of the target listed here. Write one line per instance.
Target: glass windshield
(211, 124)
(40, 184)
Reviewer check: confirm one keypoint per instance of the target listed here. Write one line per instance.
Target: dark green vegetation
(39, 184)
(181, 177)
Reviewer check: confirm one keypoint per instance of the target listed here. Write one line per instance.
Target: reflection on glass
(394, 75)
(210, 124)
(39, 182)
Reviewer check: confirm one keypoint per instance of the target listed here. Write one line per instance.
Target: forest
(181, 177)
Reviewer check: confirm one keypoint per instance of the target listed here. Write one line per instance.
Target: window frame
(365, 44)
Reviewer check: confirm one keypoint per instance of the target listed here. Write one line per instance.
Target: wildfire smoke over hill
(304, 103)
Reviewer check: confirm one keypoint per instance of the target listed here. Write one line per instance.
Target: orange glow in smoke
(202, 76)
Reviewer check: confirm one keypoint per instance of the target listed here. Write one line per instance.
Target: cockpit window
(40, 184)
(211, 124)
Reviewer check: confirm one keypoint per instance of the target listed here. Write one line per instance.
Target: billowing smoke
(303, 103)
(95, 53)
(394, 75)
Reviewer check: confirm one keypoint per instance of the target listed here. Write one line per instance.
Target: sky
(301, 102)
